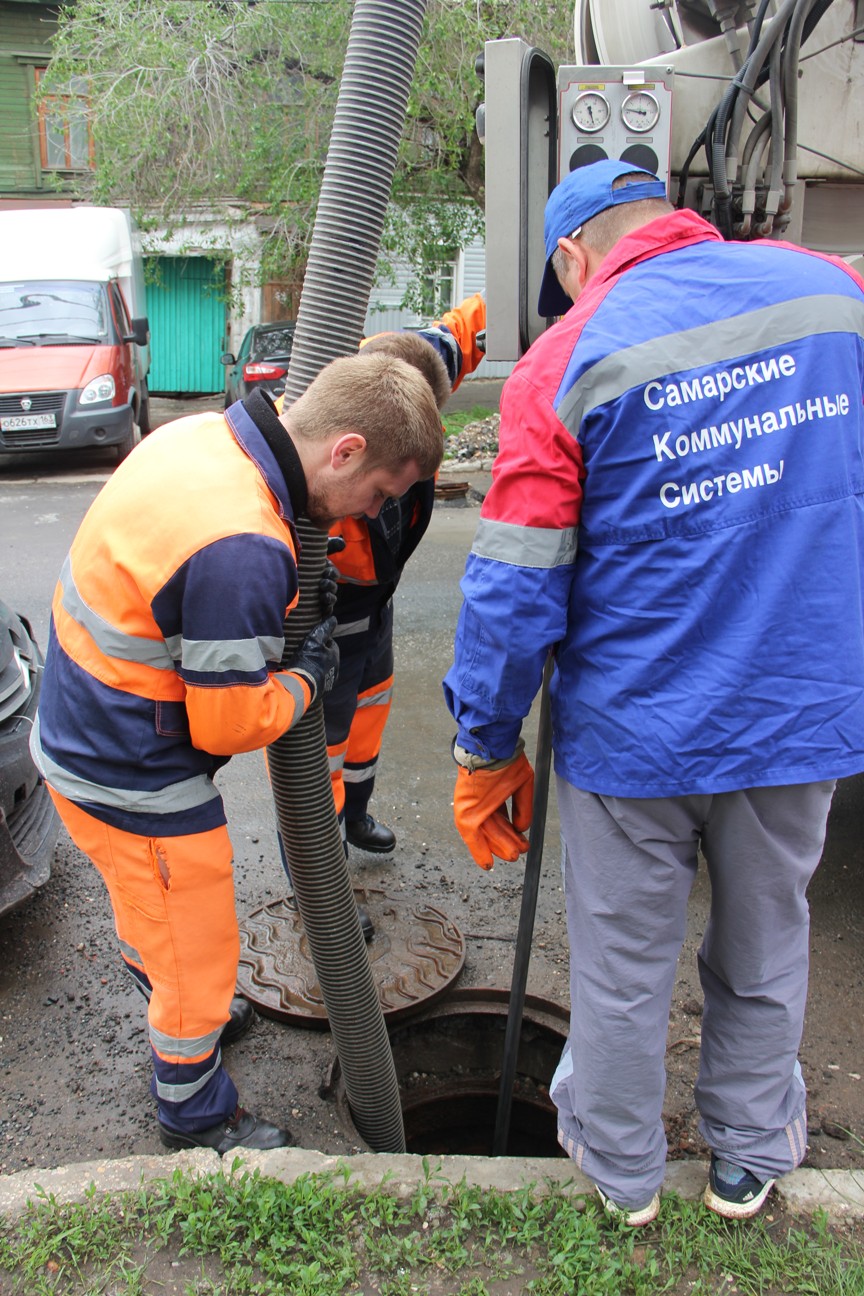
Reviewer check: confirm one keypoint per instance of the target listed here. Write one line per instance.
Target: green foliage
(460, 419)
(227, 106)
(319, 1236)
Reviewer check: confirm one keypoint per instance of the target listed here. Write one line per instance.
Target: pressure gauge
(590, 111)
(640, 111)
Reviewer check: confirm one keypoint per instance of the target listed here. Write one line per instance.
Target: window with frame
(65, 138)
(437, 279)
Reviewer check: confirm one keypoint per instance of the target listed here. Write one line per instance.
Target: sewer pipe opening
(448, 1069)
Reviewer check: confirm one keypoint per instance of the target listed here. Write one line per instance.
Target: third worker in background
(676, 514)
(369, 568)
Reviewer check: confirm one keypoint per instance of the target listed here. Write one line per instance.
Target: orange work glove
(480, 809)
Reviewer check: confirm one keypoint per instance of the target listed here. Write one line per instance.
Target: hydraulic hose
(358, 175)
(730, 113)
(790, 95)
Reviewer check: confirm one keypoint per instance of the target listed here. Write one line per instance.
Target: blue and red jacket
(167, 624)
(676, 509)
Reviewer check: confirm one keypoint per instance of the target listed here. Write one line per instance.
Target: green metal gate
(186, 309)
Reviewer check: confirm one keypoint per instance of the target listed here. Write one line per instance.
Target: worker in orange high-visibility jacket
(165, 659)
(369, 568)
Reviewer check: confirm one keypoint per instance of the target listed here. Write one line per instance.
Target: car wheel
(125, 447)
(144, 411)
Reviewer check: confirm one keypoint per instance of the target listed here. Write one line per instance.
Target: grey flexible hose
(751, 158)
(361, 159)
(775, 152)
(749, 76)
(790, 94)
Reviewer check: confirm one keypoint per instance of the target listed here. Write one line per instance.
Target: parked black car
(28, 821)
(261, 362)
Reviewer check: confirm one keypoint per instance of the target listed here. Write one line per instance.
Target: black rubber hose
(361, 159)
(530, 889)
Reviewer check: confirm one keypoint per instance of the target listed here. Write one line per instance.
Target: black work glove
(328, 589)
(327, 586)
(316, 659)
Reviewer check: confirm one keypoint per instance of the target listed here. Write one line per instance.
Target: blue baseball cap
(584, 193)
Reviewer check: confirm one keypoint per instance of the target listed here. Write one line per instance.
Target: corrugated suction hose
(361, 159)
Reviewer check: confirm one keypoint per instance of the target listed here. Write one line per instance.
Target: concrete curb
(840, 1193)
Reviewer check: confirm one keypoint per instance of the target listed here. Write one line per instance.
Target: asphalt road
(73, 1051)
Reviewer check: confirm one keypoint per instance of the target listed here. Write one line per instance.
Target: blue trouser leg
(364, 684)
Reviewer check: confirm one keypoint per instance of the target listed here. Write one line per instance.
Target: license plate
(17, 422)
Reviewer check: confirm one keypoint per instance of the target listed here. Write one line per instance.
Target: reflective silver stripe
(524, 546)
(355, 580)
(129, 952)
(352, 627)
(184, 1048)
(292, 685)
(108, 639)
(770, 326)
(217, 655)
(180, 1092)
(376, 699)
(336, 762)
(186, 795)
(350, 775)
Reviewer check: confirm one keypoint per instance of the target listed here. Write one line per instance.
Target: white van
(74, 337)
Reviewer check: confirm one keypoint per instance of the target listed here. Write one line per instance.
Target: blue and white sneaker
(733, 1191)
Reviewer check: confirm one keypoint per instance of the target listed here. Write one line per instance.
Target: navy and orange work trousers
(356, 710)
(173, 902)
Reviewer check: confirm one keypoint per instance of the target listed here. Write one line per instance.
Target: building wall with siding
(25, 32)
(386, 315)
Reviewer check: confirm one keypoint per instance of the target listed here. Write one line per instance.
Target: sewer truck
(753, 114)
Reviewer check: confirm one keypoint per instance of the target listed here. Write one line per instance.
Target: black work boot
(366, 924)
(242, 1015)
(368, 835)
(242, 1130)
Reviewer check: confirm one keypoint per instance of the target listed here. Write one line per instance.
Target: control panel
(615, 112)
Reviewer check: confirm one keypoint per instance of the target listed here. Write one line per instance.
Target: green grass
(459, 419)
(243, 1234)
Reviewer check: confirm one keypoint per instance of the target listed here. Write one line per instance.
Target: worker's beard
(319, 510)
(329, 501)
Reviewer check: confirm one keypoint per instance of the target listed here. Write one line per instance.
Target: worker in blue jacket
(676, 514)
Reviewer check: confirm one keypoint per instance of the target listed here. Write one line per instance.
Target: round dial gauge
(591, 111)
(640, 111)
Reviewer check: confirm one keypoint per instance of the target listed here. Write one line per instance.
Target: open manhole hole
(448, 1065)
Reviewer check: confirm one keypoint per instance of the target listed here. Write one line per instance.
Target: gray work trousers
(628, 868)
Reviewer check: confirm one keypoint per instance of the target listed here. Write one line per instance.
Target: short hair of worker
(605, 229)
(416, 351)
(386, 400)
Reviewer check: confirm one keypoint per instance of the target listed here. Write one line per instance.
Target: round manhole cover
(416, 955)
